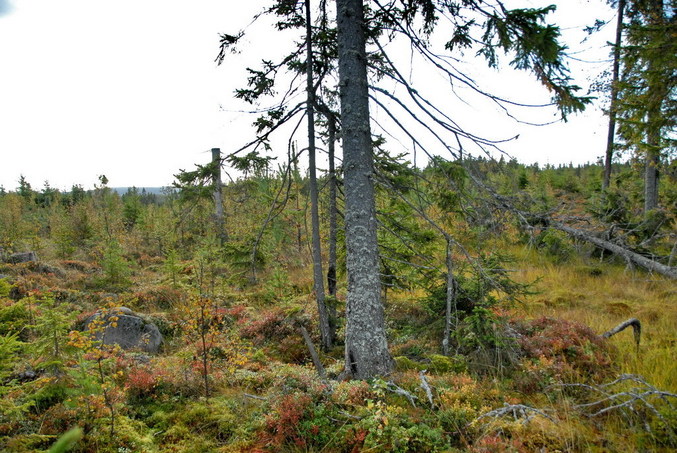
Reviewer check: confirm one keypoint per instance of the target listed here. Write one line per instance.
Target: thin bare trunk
(331, 271)
(451, 313)
(203, 340)
(219, 218)
(614, 97)
(651, 171)
(318, 274)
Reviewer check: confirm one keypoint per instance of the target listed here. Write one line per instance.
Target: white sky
(129, 89)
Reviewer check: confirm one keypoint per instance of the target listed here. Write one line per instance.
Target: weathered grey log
(631, 256)
(636, 327)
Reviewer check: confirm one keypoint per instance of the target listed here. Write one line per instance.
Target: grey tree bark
(366, 347)
(318, 274)
(614, 97)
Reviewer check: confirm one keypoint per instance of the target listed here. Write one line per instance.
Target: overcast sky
(129, 89)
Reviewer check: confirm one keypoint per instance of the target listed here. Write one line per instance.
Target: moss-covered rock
(443, 364)
(403, 363)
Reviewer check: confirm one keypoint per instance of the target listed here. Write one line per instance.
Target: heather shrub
(297, 420)
(291, 378)
(558, 350)
(273, 325)
(278, 331)
(141, 383)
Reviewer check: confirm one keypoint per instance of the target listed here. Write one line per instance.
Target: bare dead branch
(518, 411)
(636, 327)
(400, 391)
(313, 353)
(426, 387)
(628, 401)
(255, 397)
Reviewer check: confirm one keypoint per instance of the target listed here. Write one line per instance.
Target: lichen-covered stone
(125, 328)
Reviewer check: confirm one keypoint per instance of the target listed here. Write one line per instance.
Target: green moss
(443, 364)
(403, 363)
(28, 443)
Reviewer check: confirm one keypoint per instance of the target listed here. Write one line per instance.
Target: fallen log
(545, 220)
(629, 255)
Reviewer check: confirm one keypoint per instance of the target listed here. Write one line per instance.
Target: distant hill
(149, 190)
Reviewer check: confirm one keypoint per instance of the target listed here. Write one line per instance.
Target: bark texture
(366, 351)
(313, 353)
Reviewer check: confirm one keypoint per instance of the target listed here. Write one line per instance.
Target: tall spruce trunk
(318, 274)
(614, 97)
(657, 92)
(366, 347)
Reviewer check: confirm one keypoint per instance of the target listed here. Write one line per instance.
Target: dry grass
(602, 296)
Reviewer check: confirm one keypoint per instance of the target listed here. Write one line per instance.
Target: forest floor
(535, 378)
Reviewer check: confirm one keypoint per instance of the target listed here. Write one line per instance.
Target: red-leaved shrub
(559, 350)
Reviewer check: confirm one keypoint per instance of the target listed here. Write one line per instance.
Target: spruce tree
(647, 103)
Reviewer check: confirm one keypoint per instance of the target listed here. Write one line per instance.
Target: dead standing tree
(261, 83)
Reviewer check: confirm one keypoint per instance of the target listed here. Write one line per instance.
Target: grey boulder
(123, 327)
(25, 257)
